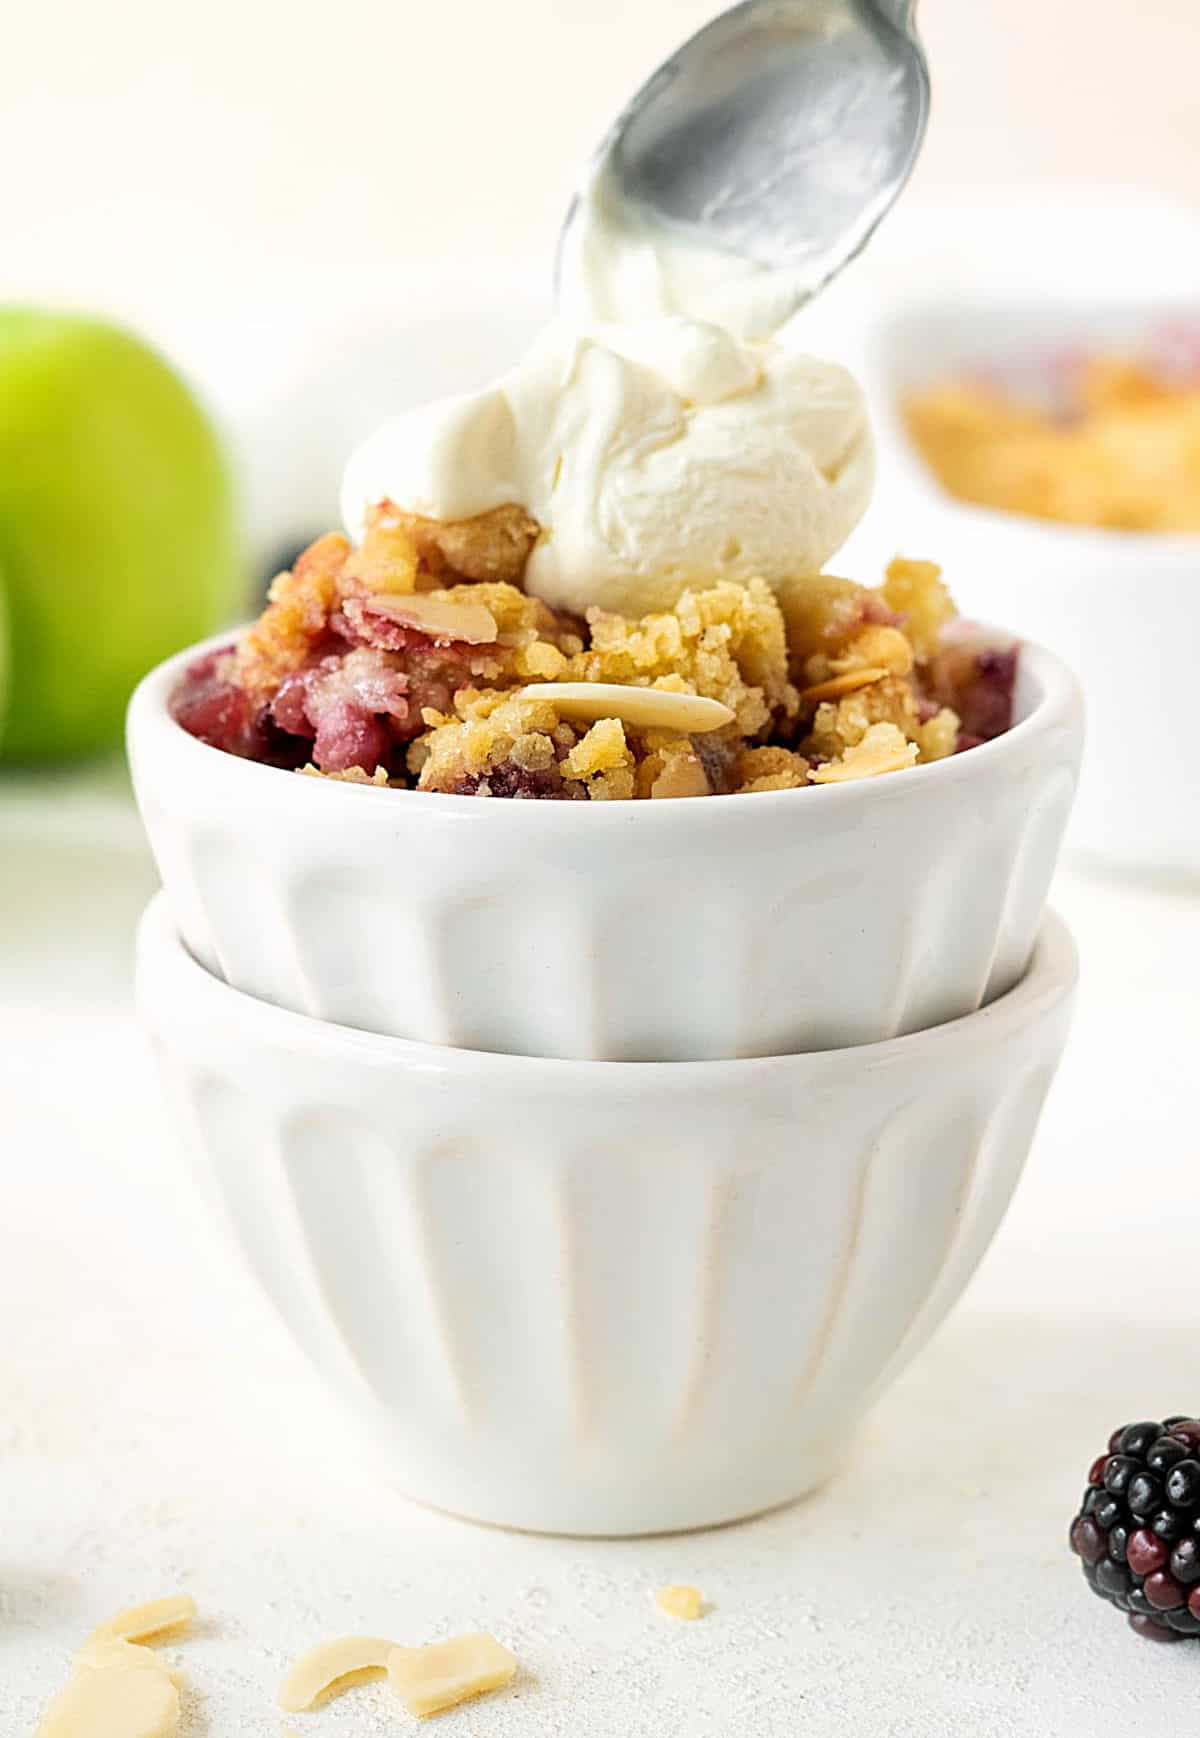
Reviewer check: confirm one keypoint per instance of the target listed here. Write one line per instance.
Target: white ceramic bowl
(604, 1297)
(1120, 605)
(721, 927)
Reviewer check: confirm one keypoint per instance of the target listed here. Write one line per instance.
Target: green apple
(3, 660)
(118, 536)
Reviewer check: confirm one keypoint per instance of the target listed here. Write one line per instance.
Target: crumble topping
(880, 748)
(388, 665)
(493, 545)
(770, 769)
(1110, 442)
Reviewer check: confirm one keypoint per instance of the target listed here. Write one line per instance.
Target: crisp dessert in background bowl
(603, 1297)
(1053, 453)
(1102, 440)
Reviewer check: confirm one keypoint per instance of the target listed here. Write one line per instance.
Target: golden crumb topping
(727, 643)
(416, 661)
(917, 593)
(770, 769)
(491, 546)
(296, 617)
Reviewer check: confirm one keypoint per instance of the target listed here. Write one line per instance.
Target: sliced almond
(140, 1622)
(643, 708)
(884, 748)
(445, 1673)
(129, 1701)
(109, 1651)
(847, 683)
(330, 1668)
(443, 619)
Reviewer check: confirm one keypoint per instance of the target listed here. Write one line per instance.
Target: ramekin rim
(1060, 697)
(1049, 978)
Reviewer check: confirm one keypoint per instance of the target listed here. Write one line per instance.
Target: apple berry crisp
(1110, 443)
(417, 661)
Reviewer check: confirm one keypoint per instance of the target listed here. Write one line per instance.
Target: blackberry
(1137, 1532)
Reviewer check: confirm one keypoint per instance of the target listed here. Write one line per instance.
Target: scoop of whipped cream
(655, 456)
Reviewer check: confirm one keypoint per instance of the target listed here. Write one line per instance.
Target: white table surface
(157, 1432)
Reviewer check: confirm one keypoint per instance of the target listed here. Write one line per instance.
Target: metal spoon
(781, 133)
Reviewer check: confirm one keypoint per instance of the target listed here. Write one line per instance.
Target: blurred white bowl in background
(1122, 607)
(447, 336)
(603, 1297)
(301, 370)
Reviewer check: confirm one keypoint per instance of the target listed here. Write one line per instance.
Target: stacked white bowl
(1117, 602)
(607, 1160)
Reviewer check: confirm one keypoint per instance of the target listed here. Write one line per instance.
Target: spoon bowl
(778, 135)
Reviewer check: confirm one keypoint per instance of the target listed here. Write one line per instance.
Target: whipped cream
(615, 266)
(655, 456)
(658, 433)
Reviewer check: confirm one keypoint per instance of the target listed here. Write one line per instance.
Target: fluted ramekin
(604, 1297)
(653, 931)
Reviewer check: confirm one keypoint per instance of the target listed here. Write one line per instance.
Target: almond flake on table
(114, 1702)
(121, 1689)
(331, 1667)
(442, 1674)
(153, 1618)
(680, 1600)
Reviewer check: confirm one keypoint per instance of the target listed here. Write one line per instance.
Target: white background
(164, 150)
(214, 169)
